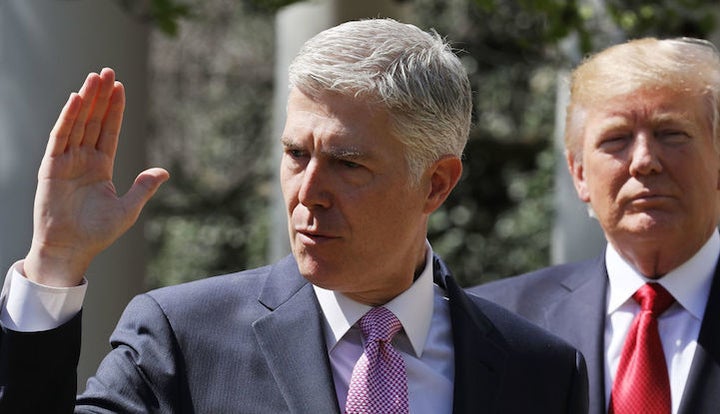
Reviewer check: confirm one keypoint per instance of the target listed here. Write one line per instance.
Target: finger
(61, 131)
(97, 110)
(144, 187)
(108, 139)
(87, 93)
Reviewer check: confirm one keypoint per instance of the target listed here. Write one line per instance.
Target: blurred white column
(47, 47)
(575, 235)
(293, 26)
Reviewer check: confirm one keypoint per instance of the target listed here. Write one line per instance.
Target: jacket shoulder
(528, 293)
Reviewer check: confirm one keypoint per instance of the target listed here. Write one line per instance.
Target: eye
(614, 142)
(352, 172)
(294, 152)
(349, 164)
(673, 136)
(295, 158)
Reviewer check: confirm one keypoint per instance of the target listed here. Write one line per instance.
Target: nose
(314, 186)
(644, 156)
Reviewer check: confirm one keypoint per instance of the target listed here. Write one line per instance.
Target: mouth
(649, 200)
(312, 237)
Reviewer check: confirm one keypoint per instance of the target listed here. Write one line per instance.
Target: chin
(315, 270)
(653, 227)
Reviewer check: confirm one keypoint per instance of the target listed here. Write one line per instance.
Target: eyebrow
(613, 122)
(335, 151)
(658, 116)
(287, 143)
(346, 153)
(675, 118)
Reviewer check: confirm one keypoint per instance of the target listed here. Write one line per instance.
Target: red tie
(641, 384)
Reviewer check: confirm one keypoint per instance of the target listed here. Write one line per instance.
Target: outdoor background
(211, 89)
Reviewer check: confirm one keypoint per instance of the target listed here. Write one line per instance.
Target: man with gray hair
(361, 318)
(642, 147)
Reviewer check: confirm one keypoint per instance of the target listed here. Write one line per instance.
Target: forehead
(337, 120)
(653, 107)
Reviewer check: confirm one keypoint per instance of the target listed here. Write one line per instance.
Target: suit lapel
(479, 360)
(579, 318)
(702, 390)
(291, 338)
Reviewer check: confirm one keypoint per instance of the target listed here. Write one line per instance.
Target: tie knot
(379, 324)
(654, 298)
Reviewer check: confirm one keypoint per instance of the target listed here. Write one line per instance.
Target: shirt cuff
(27, 306)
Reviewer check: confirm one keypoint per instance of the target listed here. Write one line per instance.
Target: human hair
(411, 73)
(684, 65)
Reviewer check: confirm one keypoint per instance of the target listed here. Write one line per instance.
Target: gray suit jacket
(252, 342)
(569, 300)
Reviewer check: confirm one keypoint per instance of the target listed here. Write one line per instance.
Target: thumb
(144, 187)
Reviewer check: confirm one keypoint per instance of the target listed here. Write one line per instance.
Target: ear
(444, 175)
(577, 172)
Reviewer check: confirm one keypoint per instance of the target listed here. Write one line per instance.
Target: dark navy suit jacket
(252, 342)
(569, 300)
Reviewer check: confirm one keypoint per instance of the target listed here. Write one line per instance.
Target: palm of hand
(77, 207)
(77, 210)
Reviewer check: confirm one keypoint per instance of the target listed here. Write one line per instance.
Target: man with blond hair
(642, 148)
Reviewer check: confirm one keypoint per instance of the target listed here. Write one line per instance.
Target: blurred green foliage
(211, 91)
(163, 14)
(211, 97)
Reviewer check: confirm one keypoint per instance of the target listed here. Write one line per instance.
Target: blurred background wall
(47, 47)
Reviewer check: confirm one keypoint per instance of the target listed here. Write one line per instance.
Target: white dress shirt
(27, 306)
(679, 326)
(425, 342)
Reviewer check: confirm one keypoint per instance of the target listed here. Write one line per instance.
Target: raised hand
(77, 211)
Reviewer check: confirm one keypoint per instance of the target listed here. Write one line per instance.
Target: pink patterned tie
(641, 384)
(379, 383)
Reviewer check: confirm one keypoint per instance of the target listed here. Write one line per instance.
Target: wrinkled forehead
(653, 107)
(607, 86)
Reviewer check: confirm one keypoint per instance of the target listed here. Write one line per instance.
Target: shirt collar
(414, 308)
(689, 283)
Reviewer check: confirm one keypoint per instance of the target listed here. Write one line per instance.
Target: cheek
(374, 211)
(403, 209)
(606, 177)
(605, 188)
(713, 170)
(603, 194)
(289, 190)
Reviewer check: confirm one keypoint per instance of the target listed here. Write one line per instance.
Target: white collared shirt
(31, 307)
(679, 326)
(425, 342)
